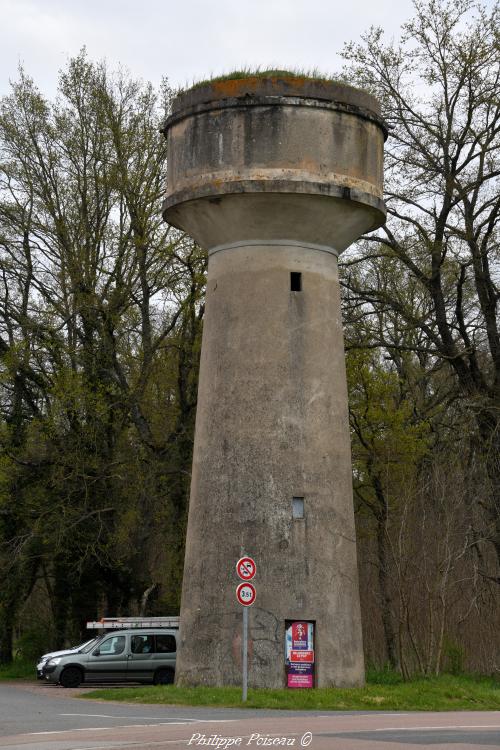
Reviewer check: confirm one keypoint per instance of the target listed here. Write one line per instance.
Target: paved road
(40, 717)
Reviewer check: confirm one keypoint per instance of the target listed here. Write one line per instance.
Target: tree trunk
(383, 577)
(6, 638)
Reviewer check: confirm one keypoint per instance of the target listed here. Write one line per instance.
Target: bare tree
(440, 91)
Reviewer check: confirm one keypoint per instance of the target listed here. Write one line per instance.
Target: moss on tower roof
(309, 75)
(273, 82)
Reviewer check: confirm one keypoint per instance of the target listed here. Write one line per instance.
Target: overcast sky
(184, 39)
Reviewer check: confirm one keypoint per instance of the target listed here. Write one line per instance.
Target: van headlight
(53, 662)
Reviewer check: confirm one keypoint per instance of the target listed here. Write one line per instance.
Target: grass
(247, 72)
(382, 692)
(19, 669)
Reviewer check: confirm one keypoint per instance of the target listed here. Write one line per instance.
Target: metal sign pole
(245, 594)
(245, 653)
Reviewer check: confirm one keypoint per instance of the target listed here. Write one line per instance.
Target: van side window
(165, 644)
(115, 645)
(142, 644)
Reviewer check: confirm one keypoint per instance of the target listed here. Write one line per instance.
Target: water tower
(274, 176)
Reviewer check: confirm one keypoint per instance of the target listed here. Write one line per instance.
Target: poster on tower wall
(299, 654)
(300, 676)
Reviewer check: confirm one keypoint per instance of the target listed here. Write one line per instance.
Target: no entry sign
(245, 593)
(246, 568)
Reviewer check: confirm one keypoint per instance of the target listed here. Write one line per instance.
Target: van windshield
(89, 645)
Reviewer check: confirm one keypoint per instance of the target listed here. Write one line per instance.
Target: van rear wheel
(164, 677)
(71, 677)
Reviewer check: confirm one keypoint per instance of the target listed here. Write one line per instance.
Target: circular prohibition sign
(245, 593)
(246, 568)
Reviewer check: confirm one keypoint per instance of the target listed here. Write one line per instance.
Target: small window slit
(297, 507)
(295, 281)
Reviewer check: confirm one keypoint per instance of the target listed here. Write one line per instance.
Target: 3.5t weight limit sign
(246, 568)
(245, 593)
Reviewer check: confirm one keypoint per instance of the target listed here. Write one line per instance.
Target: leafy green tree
(100, 322)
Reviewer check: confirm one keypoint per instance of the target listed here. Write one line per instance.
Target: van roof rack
(121, 623)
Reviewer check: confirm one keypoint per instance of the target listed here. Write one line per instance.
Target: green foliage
(384, 676)
(389, 438)
(18, 669)
(35, 640)
(454, 655)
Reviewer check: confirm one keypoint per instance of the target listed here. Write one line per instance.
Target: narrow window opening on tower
(298, 507)
(295, 281)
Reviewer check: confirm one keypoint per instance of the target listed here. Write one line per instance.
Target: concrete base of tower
(266, 666)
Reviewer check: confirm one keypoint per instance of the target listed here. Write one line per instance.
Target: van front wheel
(71, 677)
(164, 677)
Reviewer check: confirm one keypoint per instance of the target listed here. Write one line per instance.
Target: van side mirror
(96, 652)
